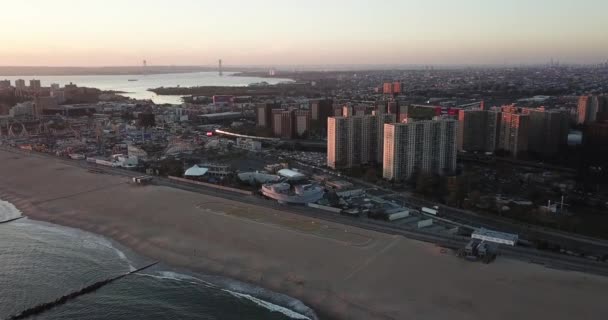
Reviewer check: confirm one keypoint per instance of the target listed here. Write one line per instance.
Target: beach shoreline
(340, 271)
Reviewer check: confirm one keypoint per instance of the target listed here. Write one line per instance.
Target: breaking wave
(8, 211)
(272, 301)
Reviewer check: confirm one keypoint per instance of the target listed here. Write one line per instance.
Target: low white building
(249, 144)
(125, 161)
(291, 174)
(495, 236)
(196, 171)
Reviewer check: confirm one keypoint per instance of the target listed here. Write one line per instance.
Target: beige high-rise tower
(355, 140)
(419, 146)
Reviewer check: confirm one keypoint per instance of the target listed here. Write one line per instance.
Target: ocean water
(138, 89)
(39, 262)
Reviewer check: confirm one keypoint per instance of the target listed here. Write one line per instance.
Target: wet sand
(342, 272)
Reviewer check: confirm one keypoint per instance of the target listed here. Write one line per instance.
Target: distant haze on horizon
(313, 32)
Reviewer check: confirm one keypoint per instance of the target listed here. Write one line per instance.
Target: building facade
(356, 140)
(302, 122)
(282, 123)
(478, 130)
(320, 110)
(427, 146)
(548, 130)
(590, 107)
(20, 84)
(513, 135)
(587, 109)
(377, 133)
(35, 85)
(337, 142)
(264, 114)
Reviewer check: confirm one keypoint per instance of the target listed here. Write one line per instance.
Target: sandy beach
(341, 272)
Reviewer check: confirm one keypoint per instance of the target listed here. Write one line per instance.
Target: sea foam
(8, 211)
(275, 302)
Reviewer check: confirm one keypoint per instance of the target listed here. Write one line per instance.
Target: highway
(549, 259)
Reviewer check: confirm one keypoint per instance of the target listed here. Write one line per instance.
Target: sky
(301, 32)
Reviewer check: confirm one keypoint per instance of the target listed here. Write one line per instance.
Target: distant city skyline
(314, 32)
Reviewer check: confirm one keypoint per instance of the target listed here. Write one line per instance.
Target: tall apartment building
(320, 110)
(337, 111)
(349, 110)
(302, 122)
(20, 84)
(353, 141)
(282, 123)
(478, 130)
(337, 144)
(377, 132)
(4, 84)
(589, 107)
(35, 84)
(513, 130)
(264, 113)
(391, 87)
(388, 107)
(548, 130)
(419, 146)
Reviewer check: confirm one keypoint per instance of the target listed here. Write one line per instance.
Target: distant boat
(132, 79)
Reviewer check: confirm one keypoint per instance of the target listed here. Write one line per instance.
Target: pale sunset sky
(288, 32)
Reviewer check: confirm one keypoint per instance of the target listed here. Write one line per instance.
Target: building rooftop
(290, 174)
(196, 171)
(487, 234)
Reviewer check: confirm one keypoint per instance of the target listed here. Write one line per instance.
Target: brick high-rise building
(35, 85)
(478, 130)
(20, 84)
(302, 122)
(590, 107)
(548, 130)
(391, 87)
(387, 88)
(4, 84)
(282, 123)
(427, 146)
(587, 109)
(264, 114)
(397, 87)
(320, 110)
(514, 133)
(377, 132)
